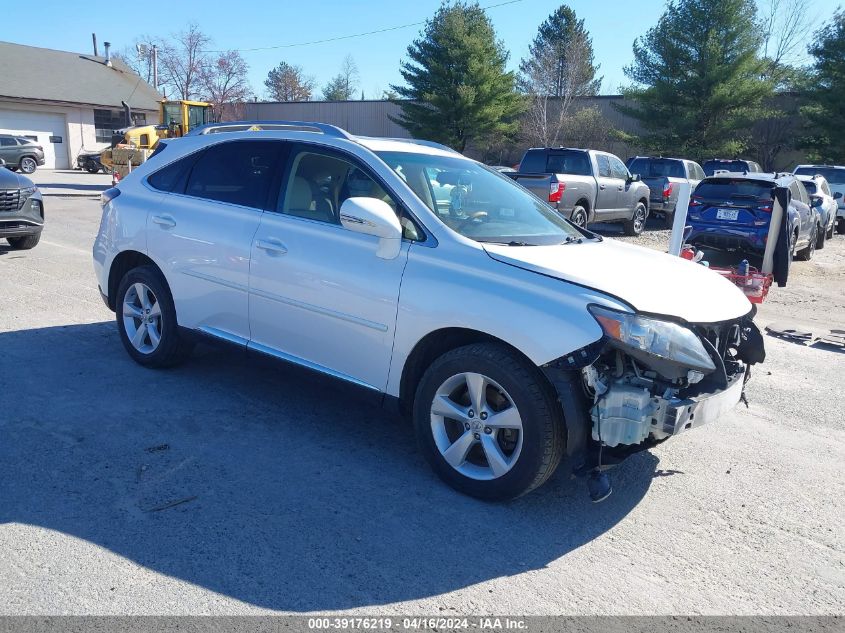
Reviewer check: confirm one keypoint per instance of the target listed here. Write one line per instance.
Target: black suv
(21, 210)
(21, 153)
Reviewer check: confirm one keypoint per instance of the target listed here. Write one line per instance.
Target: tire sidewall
(577, 212)
(517, 480)
(32, 163)
(169, 330)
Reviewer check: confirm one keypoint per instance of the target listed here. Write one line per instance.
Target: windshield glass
(657, 168)
(480, 203)
(711, 166)
(833, 175)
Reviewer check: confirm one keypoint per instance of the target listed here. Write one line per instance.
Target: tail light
(765, 205)
(667, 190)
(556, 191)
(695, 201)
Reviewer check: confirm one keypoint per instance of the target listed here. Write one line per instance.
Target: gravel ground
(235, 487)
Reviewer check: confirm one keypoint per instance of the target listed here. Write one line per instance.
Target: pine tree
(456, 81)
(287, 82)
(825, 112)
(698, 78)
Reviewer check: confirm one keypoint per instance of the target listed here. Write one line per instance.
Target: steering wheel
(474, 216)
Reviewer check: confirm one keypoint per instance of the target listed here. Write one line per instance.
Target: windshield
(833, 175)
(479, 203)
(711, 166)
(657, 168)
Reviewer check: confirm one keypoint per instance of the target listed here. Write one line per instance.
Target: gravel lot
(235, 487)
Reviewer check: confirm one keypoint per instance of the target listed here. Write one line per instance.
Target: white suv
(512, 338)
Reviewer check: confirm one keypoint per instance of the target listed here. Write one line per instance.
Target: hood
(649, 281)
(11, 180)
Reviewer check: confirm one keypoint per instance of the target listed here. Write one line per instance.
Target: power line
(348, 37)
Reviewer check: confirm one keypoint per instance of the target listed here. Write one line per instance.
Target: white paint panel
(41, 125)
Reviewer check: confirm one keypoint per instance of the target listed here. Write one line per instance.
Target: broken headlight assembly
(670, 349)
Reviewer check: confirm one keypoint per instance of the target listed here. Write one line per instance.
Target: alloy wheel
(476, 426)
(639, 218)
(142, 318)
(28, 165)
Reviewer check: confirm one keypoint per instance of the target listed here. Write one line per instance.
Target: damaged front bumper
(614, 401)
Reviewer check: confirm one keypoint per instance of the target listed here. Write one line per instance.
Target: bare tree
(342, 86)
(287, 82)
(785, 25)
(182, 60)
(552, 79)
(224, 83)
(139, 56)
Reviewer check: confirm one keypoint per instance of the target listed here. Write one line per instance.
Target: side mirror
(2, 163)
(372, 216)
(635, 178)
(837, 195)
(815, 201)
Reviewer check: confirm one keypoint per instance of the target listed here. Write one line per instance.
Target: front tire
(24, 243)
(146, 319)
(488, 422)
(92, 168)
(840, 226)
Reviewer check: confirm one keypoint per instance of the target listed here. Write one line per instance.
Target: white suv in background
(512, 338)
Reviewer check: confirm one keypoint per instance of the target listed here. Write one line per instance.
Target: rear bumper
(658, 205)
(726, 239)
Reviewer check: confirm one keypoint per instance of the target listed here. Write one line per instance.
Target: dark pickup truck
(585, 186)
(663, 175)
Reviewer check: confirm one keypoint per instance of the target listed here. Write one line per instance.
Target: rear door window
(237, 172)
(604, 165)
(569, 162)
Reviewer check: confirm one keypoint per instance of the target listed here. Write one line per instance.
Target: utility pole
(155, 67)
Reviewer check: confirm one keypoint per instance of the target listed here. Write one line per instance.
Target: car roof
(296, 130)
(779, 178)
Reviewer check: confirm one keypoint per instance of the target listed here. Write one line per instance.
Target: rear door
(806, 214)
(201, 232)
(607, 189)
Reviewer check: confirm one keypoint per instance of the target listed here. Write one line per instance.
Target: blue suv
(732, 212)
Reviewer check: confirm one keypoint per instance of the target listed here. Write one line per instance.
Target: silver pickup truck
(585, 186)
(663, 175)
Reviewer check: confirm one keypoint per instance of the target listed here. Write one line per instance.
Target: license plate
(727, 214)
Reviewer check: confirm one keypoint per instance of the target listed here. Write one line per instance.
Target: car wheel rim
(28, 165)
(476, 426)
(579, 219)
(639, 219)
(142, 318)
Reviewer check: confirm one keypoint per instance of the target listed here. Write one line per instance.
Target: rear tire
(806, 254)
(493, 462)
(24, 243)
(636, 224)
(669, 219)
(146, 320)
(822, 235)
(28, 165)
(840, 226)
(579, 216)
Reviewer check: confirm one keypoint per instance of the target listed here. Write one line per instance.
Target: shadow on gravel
(264, 483)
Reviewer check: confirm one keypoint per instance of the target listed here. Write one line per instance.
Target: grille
(9, 199)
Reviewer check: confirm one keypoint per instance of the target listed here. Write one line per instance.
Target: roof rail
(416, 141)
(294, 126)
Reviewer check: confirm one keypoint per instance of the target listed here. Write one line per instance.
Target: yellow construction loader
(132, 145)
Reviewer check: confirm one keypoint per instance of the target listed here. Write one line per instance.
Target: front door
(319, 296)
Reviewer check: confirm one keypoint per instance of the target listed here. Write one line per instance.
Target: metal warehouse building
(68, 102)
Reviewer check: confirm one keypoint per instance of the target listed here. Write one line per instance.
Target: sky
(289, 25)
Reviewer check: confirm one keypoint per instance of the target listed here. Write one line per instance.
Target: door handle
(620, 188)
(272, 246)
(164, 220)
(602, 187)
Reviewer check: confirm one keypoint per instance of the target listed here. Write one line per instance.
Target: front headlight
(26, 194)
(663, 340)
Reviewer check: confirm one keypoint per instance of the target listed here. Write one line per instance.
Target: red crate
(755, 284)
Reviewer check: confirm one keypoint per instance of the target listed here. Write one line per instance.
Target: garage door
(48, 129)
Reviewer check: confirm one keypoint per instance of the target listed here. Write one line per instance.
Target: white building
(68, 102)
